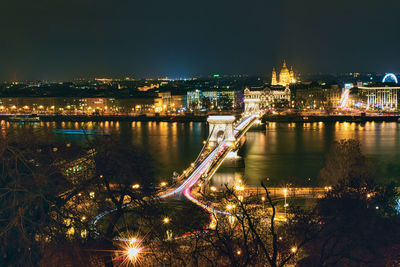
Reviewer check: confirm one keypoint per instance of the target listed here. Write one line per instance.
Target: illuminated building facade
(75, 106)
(384, 98)
(286, 76)
(268, 98)
(210, 99)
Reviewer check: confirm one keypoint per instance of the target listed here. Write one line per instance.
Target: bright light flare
(229, 206)
(133, 253)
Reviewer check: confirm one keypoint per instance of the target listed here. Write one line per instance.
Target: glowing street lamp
(293, 249)
(229, 207)
(285, 194)
(168, 232)
(135, 186)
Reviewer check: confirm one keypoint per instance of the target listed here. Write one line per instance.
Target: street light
(168, 232)
(229, 206)
(135, 186)
(293, 249)
(285, 194)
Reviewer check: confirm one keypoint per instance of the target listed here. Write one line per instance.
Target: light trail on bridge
(345, 98)
(220, 150)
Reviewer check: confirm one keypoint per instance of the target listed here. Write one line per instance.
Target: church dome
(286, 77)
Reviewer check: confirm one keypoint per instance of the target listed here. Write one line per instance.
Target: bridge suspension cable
(204, 146)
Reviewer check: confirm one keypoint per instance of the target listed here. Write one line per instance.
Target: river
(277, 153)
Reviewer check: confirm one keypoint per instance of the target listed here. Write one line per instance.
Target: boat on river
(80, 132)
(24, 118)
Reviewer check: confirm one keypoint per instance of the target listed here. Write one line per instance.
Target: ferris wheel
(389, 77)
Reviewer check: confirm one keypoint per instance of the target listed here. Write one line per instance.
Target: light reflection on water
(285, 152)
(282, 151)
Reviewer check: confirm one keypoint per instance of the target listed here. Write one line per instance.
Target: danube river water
(277, 153)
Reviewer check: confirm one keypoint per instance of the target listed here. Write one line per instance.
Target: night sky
(54, 39)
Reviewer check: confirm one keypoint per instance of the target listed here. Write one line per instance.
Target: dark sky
(64, 39)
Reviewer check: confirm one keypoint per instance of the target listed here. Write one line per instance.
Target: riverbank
(328, 118)
(128, 118)
(203, 118)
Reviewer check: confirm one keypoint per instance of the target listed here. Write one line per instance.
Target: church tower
(292, 79)
(274, 81)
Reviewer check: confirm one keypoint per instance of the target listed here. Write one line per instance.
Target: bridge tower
(221, 128)
(251, 105)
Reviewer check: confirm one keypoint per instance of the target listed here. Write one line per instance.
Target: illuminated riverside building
(286, 76)
(76, 106)
(316, 96)
(267, 97)
(383, 98)
(212, 99)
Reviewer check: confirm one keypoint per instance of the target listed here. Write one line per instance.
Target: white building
(267, 98)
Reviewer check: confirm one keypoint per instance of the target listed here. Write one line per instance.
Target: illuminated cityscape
(199, 134)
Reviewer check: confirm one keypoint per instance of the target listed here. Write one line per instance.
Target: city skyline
(199, 133)
(62, 41)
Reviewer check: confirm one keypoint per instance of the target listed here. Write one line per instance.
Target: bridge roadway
(208, 166)
(206, 161)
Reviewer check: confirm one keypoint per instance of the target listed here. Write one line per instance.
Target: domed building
(286, 77)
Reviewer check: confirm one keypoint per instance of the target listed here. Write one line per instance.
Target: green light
(216, 75)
